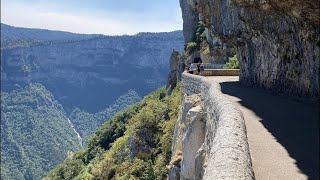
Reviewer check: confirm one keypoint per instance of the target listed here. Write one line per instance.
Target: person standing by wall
(198, 61)
(201, 70)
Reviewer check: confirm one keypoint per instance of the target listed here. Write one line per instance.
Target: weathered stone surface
(176, 68)
(200, 162)
(174, 173)
(277, 42)
(192, 140)
(187, 103)
(190, 21)
(303, 10)
(219, 51)
(137, 146)
(182, 124)
(225, 151)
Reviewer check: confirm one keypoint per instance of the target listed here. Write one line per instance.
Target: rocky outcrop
(277, 42)
(190, 110)
(211, 134)
(176, 68)
(192, 140)
(137, 147)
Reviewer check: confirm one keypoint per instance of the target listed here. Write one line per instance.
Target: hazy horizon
(90, 33)
(122, 17)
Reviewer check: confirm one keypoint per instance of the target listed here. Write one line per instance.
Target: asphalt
(283, 133)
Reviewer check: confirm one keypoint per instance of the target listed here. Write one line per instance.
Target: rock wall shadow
(294, 124)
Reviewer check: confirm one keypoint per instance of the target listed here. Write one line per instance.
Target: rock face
(190, 21)
(188, 137)
(176, 68)
(91, 74)
(192, 140)
(277, 42)
(137, 147)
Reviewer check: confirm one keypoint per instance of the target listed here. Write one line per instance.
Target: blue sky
(110, 17)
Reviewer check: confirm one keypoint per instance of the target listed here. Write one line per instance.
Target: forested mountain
(35, 133)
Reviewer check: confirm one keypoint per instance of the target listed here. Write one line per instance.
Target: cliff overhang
(276, 41)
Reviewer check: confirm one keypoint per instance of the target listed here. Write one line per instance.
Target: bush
(200, 33)
(191, 47)
(200, 42)
(233, 63)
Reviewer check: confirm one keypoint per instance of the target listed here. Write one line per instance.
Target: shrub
(233, 63)
(200, 33)
(191, 47)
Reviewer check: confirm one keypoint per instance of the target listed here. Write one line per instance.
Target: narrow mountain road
(283, 133)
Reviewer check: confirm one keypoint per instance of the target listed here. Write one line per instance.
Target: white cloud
(109, 23)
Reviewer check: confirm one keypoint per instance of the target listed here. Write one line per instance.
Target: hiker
(189, 70)
(201, 70)
(198, 61)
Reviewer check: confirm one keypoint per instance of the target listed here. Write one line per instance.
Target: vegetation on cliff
(232, 63)
(200, 42)
(134, 144)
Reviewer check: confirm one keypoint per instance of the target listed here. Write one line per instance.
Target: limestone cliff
(92, 73)
(277, 42)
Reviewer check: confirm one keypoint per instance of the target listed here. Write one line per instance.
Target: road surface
(283, 132)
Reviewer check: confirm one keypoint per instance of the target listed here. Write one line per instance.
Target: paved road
(283, 133)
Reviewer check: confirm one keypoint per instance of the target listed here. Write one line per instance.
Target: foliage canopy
(134, 144)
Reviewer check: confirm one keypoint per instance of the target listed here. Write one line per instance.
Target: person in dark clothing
(198, 61)
(188, 66)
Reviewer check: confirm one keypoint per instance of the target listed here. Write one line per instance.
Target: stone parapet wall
(212, 66)
(221, 72)
(226, 144)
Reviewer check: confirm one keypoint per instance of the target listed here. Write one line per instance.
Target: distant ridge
(47, 34)
(8, 31)
(13, 37)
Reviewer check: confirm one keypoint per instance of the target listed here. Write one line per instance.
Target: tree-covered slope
(35, 133)
(86, 123)
(134, 144)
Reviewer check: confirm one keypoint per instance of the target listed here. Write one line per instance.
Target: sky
(109, 17)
